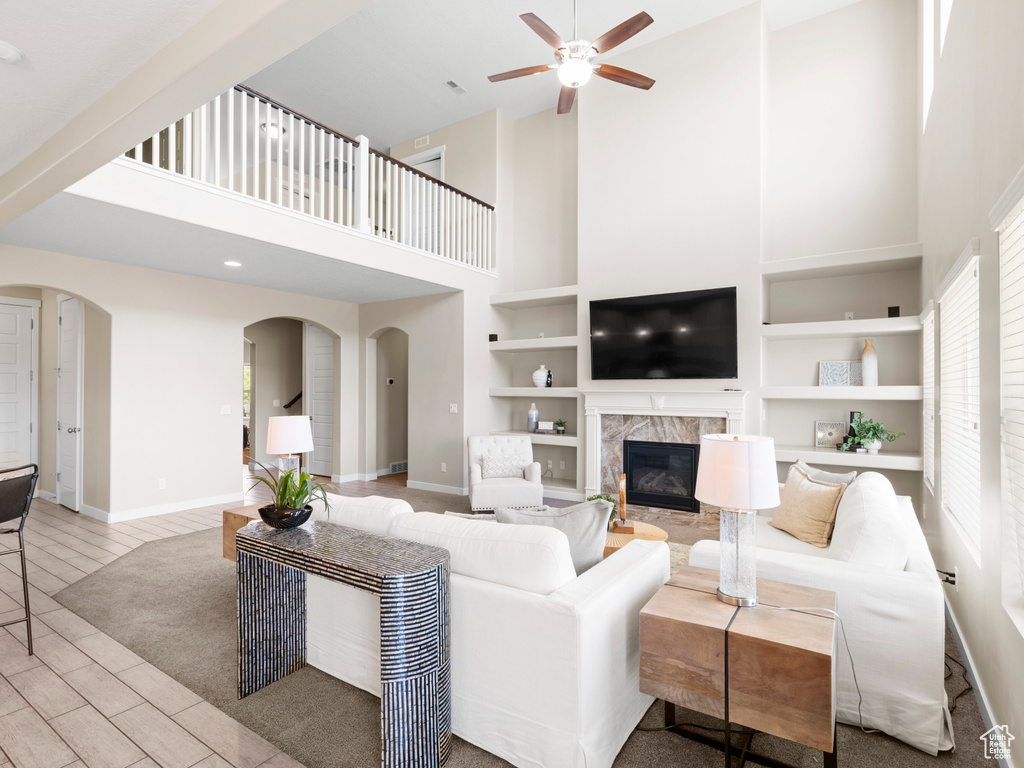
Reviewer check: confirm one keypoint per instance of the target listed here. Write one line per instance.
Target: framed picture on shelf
(829, 434)
(840, 373)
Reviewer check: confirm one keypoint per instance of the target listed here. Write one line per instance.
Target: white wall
(971, 149)
(842, 154)
(392, 399)
(276, 353)
(174, 341)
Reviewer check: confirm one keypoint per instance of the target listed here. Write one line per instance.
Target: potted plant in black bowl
(293, 491)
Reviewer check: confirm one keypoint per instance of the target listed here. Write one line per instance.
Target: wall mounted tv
(690, 335)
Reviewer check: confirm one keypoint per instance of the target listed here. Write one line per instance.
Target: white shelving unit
(805, 326)
(528, 313)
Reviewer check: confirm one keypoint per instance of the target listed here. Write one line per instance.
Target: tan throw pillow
(808, 508)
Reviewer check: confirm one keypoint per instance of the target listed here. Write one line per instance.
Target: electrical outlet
(550, 463)
(561, 465)
(444, 467)
(956, 578)
(277, 403)
(849, 315)
(161, 484)
(453, 407)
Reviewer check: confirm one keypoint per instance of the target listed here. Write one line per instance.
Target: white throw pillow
(584, 525)
(868, 530)
(826, 477)
(499, 465)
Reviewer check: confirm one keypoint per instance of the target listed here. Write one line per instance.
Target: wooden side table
(233, 519)
(645, 531)
(767, 669)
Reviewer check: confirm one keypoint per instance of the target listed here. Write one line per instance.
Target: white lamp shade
(737, 472)
(289, 434)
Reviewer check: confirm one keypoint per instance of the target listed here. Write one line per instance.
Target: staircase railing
(247, 143)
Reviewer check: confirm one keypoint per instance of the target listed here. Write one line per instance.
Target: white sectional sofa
(890, 601)
(545, 664)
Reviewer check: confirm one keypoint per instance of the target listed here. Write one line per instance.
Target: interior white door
(319, 399)
(16, 385)
(70, 327)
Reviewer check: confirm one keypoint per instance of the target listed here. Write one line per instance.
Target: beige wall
(970, 150)
(276, 351)
(842, 153)
(392, 400)
(174, 341)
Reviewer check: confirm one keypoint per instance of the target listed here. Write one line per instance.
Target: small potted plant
(870, 434)
(293, 491)
(560, 426)
(606, 497)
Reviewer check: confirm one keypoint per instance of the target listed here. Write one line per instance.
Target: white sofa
(545, 664)
(890, 601)
(495, 492)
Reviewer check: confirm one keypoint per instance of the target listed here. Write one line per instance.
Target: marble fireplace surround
(671, 417)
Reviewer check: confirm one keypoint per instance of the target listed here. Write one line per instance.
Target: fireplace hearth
(661, 474)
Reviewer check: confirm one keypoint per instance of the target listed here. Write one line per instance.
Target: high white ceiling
(74, 53)
(382, 72)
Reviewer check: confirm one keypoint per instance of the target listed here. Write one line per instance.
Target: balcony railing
(247, 143)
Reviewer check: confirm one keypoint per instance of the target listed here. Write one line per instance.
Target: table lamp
(737, 474)
(288, 436)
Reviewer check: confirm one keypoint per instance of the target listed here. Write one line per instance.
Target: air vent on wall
(455, 87)
(399, 466)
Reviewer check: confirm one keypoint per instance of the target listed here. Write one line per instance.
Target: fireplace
(661, 474)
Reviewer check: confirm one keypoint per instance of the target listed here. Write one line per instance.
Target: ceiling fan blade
(624, 76)
(520, 73)
(565, 99)
(623, 32)
(547, 33)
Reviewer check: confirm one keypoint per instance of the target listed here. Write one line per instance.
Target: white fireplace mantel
(727, 404)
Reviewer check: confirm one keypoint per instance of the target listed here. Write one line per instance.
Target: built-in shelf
(570, 441)
(889, 259)
(559, 483)
(909, 392)
(552, 344)
(867, 328)
(532, 393)
(884, 459)
(542, 297)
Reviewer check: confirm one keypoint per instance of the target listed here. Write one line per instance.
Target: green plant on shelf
(868, 431)
(606, 497)
(560, 426)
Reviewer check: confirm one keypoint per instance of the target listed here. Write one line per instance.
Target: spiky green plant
(606, 497)
(292, 489)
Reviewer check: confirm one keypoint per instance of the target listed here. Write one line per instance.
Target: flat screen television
(689, 335)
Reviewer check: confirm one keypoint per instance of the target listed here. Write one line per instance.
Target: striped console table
(412, 582)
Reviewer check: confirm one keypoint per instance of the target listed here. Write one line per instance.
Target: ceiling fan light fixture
(273, 130)
(575, 72)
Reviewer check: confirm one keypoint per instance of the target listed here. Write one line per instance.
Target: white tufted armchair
(517, 492)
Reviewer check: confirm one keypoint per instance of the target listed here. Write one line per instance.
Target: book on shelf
(545, 432)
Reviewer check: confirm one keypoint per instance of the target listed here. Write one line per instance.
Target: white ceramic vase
(540, 377)
(872, 445)
(869, 364)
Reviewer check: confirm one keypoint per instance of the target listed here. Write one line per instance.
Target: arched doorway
(387, 404)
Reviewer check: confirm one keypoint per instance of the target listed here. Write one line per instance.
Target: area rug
(173, 603)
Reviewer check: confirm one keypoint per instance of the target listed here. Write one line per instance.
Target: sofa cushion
(808, 507)
(868, 528)
(584, 525)
(501, 465)
(527, 557)
(826, 477)
(368, 513)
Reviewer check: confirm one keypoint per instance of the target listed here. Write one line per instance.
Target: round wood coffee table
(645, 531)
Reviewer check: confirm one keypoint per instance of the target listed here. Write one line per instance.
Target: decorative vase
(540, 377)
(872, 445)
(869, 364)
(285, 517)
(560, 430)
(532, 417)
(548, 384)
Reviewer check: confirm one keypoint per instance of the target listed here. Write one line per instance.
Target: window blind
(1011, 305)
(928, 380)
(960, 401)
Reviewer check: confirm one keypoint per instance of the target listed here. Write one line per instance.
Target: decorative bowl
(285, 517)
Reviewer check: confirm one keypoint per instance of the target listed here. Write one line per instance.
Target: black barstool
(16, 490)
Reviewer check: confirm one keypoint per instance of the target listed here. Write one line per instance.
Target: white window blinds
(960, 401)
(928, 380)
(1011, 305)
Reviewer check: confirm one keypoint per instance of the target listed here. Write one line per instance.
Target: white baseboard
(437, 488)
(46, 495)
(350, 478)
(554, 493)
(979, 691)
(160, 509)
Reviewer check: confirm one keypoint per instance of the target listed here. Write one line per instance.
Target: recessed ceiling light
(10, 53)
(232, 263)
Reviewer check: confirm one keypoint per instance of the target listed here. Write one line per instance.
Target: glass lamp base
(742, 602)
(737, 580)
(285, 463)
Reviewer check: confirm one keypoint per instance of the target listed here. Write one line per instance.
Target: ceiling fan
(574, 61)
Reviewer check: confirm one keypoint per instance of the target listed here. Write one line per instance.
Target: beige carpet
(173, 603)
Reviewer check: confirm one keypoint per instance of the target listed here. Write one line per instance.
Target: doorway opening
(390, 352)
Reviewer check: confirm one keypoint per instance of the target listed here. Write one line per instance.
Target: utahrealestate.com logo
(997, 742)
